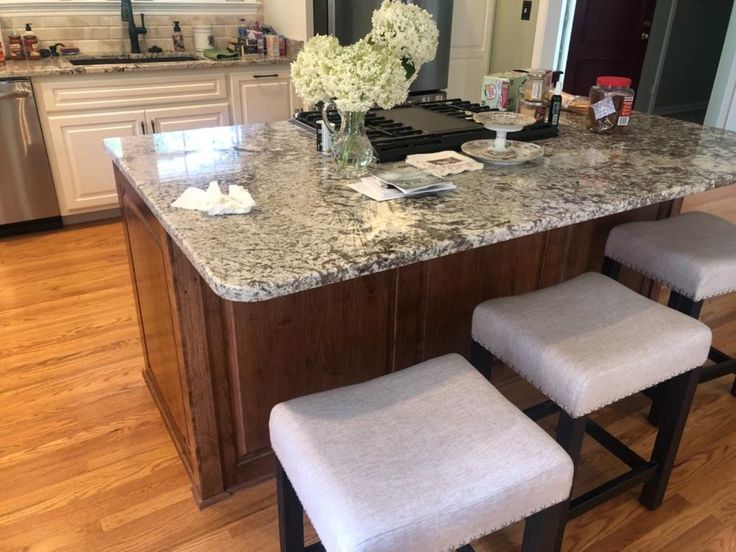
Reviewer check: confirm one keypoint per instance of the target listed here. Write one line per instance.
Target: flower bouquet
(375, 71)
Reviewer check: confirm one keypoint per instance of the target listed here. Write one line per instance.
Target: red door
(609, 37)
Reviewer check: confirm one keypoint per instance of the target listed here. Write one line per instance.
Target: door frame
(552, 33)
(722, 106)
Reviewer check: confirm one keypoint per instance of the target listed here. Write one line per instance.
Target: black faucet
(126, 14)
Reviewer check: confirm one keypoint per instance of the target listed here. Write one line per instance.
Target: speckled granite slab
(310, 229)
(61, 66)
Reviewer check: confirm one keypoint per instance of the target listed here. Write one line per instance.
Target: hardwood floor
(86, 463)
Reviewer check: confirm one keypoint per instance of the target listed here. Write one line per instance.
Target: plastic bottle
(611, 102)
(15, 46)
(30, 44)
(242, 31)
(2, 48)
(178, 38)
(555, 105)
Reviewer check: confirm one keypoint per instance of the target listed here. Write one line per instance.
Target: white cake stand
(503, 122)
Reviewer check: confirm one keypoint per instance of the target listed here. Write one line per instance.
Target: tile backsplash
(101, 34)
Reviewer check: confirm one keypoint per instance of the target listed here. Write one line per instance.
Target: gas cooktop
(424, 128)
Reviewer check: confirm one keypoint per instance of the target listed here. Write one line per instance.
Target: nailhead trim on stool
(427, 458)
(693, 254)
(590, 341)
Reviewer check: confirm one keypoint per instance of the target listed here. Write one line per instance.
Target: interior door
(607, 38)
(470, 48)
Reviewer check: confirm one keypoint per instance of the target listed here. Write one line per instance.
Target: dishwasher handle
(16, 94)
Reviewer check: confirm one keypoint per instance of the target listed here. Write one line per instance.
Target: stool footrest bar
(719, 370)
(606, 491)
(718, 356)
(541, 410)
(614, 445)
(316, 547)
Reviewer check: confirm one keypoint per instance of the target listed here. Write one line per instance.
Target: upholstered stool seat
(427, 458)
(693, 254)
(590, 341)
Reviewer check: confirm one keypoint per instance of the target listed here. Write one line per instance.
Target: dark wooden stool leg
(542, 529)
(733, 389)
(685, 306)
(611, 268)
(676, 408)
(570, 433)
(291, 514)
(655, 410)
(482, 359)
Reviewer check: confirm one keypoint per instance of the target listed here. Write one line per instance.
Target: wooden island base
(217, 367)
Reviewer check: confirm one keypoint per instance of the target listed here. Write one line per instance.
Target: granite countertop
(61, 65)
(309, 229)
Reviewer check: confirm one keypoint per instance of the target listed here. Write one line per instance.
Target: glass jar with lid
(611, 103)
(535, 87)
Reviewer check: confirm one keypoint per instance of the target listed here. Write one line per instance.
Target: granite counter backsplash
(107, 34)
(310, 229)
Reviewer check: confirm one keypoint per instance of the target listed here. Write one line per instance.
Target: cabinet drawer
(79, 93)
(262, 74)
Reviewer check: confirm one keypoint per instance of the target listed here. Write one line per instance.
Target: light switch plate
(526, 10)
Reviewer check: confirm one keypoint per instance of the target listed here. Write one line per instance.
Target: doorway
(685, 50)
(671, 49)
(607, 38)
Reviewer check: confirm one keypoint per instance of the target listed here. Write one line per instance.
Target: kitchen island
(321, 287)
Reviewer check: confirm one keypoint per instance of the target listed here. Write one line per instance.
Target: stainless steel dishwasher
(27, 196)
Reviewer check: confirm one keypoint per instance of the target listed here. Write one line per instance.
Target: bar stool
(427, 458)
(590, 342)
(693, 254)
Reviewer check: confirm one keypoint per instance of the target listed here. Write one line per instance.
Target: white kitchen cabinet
(82, 170)
(78, 112)
(187, 117)
(262, 96)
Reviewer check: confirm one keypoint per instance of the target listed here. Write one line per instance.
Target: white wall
(292, 18)
(722, 107)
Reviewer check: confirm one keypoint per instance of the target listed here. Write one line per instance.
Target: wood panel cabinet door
(82, 169)
(261, 97)
(187, 117)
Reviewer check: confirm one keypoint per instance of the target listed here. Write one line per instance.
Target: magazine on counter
(401, 182)
(412, 181)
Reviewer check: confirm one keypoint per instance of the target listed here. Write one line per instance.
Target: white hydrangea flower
(312, 67)
(376, 70)
(366, 74)
(406, 29)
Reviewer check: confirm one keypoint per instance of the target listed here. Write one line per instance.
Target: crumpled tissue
(212, 201)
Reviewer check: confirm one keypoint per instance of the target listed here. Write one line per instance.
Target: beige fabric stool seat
(427, 458)
(590, 341)
(693, 254)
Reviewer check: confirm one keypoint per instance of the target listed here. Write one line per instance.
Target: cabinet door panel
(190, 117)
(83, 171)
(265, 100)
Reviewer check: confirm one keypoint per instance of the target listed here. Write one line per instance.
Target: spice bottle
(177, 38)
(30, 44)
(555, 105)
(15, 46)
(611, 103)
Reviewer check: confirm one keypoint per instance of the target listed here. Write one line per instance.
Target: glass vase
(351, 148)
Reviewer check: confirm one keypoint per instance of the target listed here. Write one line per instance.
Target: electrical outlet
(526, 10)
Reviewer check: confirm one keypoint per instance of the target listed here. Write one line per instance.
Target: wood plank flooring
(86, 463)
